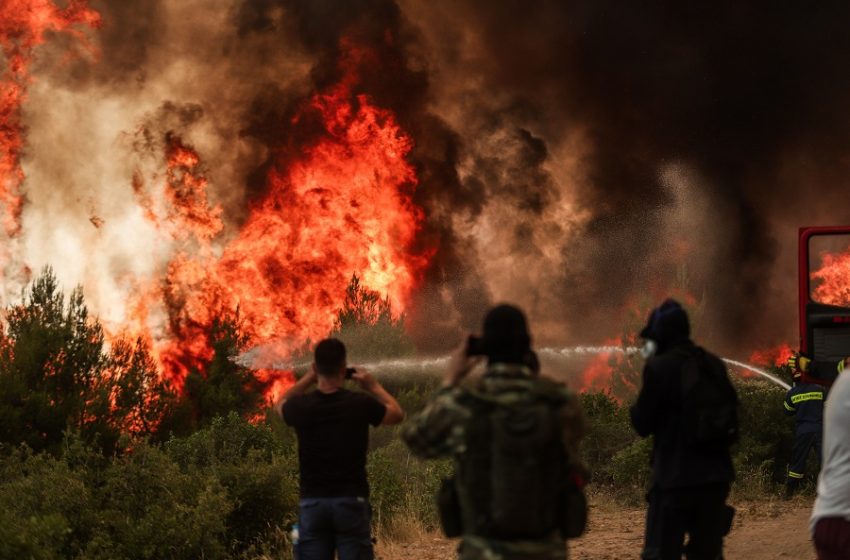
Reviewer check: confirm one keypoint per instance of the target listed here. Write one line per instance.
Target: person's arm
(299, 388)
(644, 413)
(438, 430)
(790, 409)
(394, 413)
(460, 364)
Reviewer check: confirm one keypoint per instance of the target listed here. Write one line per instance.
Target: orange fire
(613, 372)
(830, 281)
(343, 208)
(23, 25)
(596, 376)
(777, 356)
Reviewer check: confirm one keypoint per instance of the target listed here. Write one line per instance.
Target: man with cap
(516, 490)
(691, 470)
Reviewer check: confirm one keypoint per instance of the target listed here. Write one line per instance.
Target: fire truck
(824, 311)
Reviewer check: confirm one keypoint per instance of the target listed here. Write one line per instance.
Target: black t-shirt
(333, 435)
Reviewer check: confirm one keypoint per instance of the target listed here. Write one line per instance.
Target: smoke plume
(580, 159)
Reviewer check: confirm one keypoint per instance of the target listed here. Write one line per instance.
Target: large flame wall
(176, 157)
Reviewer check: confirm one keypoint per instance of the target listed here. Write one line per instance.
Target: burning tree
(56, 374)
(367, 325)
(220, 385)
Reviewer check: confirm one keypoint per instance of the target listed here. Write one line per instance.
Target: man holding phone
(332, 424)
(516, 492)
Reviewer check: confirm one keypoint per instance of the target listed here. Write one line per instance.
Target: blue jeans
(326, 525)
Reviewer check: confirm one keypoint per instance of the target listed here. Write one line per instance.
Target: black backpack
(709, 402)
(513, 482)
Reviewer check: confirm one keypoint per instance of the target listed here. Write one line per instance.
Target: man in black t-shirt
(332, 424)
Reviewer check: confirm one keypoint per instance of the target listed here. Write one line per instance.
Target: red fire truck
(824, 313)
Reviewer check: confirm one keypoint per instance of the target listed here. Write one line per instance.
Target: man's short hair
(329, 357)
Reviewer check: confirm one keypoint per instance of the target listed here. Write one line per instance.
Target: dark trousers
(803, 444)
(700, 512)
(326, 525)
(832, 538)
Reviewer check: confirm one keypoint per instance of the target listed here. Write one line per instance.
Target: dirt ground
(762, 531)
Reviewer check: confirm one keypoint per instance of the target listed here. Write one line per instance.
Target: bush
(259, 474)
(616, 456)
(149, 508)
(367, 326)
(220, 493)
(46, 509)
(404, 486)
(56, 375)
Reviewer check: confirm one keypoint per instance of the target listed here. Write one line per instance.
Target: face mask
(648, 349)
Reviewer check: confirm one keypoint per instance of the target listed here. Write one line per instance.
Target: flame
(596, 376)
(23, 25)
(830, 282)
(600, 372)
(342, 208)
(776, 356)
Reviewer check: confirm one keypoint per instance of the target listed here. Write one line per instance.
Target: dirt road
(762, 531)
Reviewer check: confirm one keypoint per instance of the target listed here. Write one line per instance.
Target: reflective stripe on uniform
(788, 406)
(812, 396)
(793, 474)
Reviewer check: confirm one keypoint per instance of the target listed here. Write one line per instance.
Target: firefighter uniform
(804, 401)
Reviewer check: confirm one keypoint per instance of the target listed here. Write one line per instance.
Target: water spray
(585, 350)
(759, 371)
(422, 364)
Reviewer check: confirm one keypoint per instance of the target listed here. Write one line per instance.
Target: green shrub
(611, 447)
(230, 490)
(367, 327)
(221, 493)
(403, 485)
(149, 509)
(257, 471)
(46, 510)
(387, 482)
(767, 434)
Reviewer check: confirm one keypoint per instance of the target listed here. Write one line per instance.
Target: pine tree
(56, 375)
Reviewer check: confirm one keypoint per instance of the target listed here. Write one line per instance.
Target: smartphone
(349, 371)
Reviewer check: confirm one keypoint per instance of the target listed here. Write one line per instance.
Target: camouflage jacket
(439, 430)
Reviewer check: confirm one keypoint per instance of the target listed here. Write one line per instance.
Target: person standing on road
(332, 425)
(689, 406)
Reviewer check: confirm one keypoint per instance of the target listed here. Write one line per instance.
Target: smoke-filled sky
(582, 159)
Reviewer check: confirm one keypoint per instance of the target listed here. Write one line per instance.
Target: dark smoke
(573, 157)
(738, 91)
(730, 91)
(398, 79)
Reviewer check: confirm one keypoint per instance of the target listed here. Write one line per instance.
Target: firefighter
(804, 401)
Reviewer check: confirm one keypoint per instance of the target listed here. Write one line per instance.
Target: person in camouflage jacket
(506, 485)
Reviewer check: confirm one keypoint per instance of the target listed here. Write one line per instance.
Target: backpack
(709, 402)
(513, 480)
